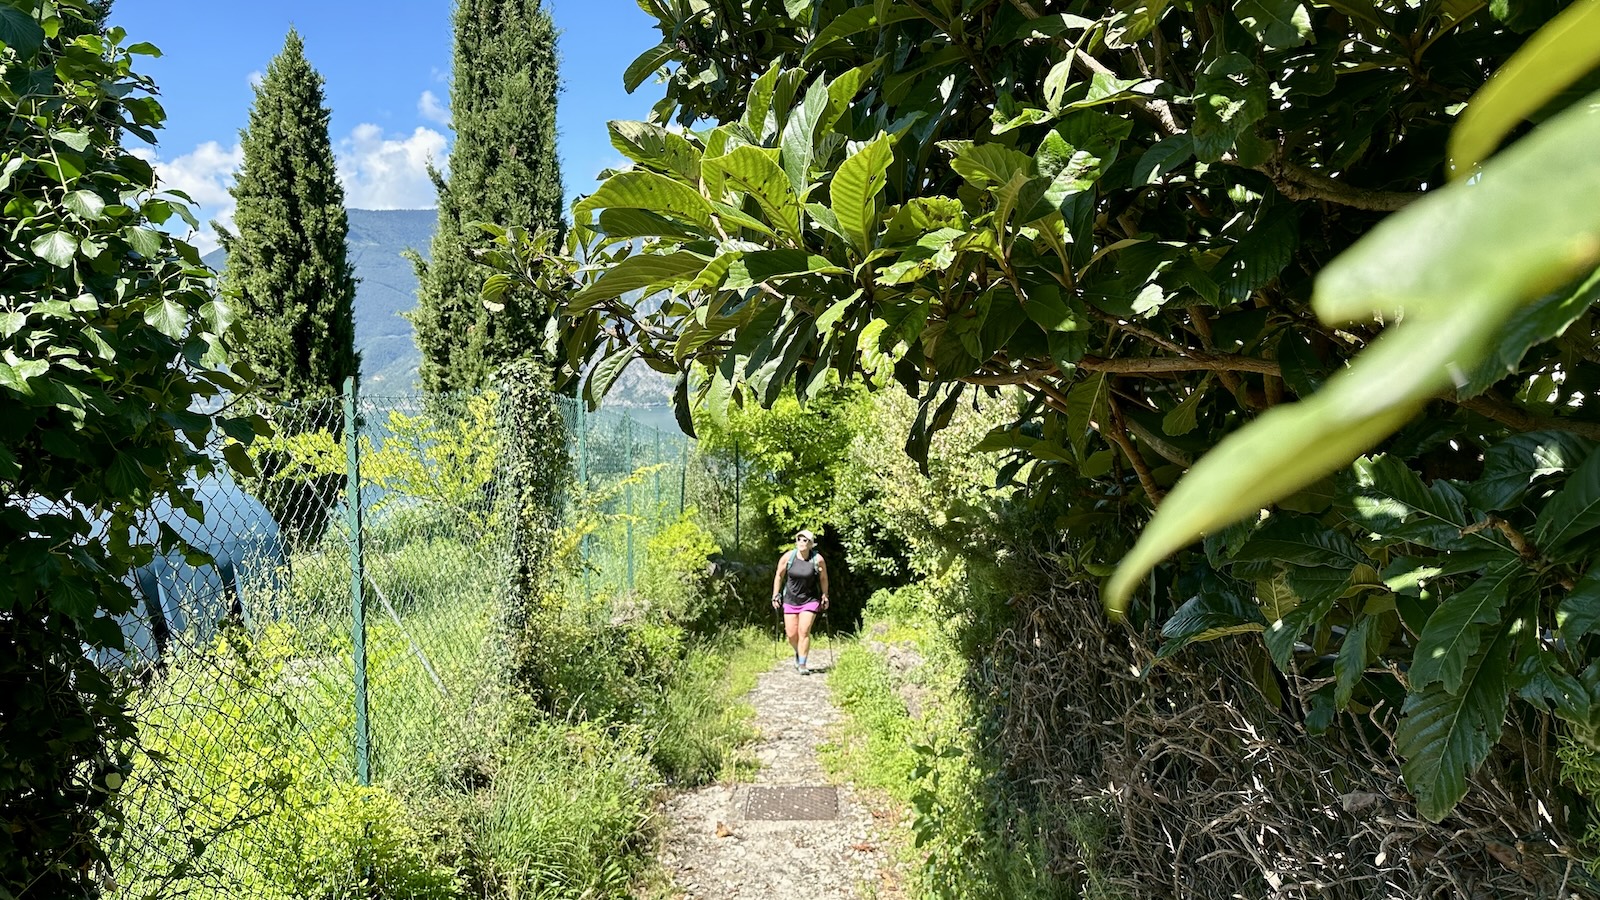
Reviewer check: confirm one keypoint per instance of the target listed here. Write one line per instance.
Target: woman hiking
(800, 586)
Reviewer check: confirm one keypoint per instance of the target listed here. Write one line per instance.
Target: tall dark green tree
(288, 267)
(503, 170)
(287, 258)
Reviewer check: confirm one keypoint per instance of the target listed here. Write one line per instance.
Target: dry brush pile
(1180, 777)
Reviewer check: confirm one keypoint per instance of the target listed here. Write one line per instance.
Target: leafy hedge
(1164, 223)
(110, 341)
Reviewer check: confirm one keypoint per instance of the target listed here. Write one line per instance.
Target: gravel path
(713, 849)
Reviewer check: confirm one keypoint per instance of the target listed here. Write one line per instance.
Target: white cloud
(380, 172)
(377, 171)
(429, 107)
(256, 77)
(205, 174)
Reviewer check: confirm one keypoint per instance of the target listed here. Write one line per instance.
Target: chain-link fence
(344, 633)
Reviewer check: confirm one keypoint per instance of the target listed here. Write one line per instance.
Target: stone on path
(727, 842)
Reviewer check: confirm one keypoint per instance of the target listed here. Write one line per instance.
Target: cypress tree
(289, 271)
(503, 169)
(287, 262)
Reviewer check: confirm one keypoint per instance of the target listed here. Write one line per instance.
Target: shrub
(238, 796)
(680, 582)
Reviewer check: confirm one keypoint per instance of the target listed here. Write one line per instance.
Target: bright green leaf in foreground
(1561, 53)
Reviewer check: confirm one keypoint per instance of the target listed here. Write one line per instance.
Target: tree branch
(1118, 434)
(1518, 419)
(1193, 362)
(1161, 341)
(1032, 372)
(1300, 183)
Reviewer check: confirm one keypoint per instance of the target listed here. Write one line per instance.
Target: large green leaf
(168, 316)
(1513, 465)
(1167, 155)
(1574, 509)
(656, 148)
(843, 89)
(759, 101)
(646, 64)
(1385, 497)
(855, 188)
(1579, 613)
(755, 172)
(56, 247)
(605, 374)
(1230, 97)
(800, 135)
(1351, 663)
(755, 267)
(622, 224)
(1088, 405)
(1277, 24)
(989, 165)
(1260, 254)
(1216, 612)
(86, 204)
(1318, 588)
(1455, 630)
(636, 273)
(1301, 541)
(855, 21)
(1459, 263)
(1444, 736)
(1133, 21)
(1547, 318)
(1559, 54)
(649, 191)
(20, 32)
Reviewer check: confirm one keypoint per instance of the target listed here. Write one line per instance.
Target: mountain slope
(387, 288)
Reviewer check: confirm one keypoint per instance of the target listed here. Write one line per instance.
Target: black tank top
(802, 584)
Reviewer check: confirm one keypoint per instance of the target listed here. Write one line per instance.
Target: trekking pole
(776, 647)
(827, 629)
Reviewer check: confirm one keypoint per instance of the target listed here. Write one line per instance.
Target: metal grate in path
(787, 803)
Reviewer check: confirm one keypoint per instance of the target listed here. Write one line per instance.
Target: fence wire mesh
(270, 691)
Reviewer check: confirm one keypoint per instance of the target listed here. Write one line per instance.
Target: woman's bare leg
(804, 627)
(791, 627)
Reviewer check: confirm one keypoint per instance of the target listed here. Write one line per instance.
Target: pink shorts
(789, 609)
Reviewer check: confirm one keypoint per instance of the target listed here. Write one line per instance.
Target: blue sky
(386, 66)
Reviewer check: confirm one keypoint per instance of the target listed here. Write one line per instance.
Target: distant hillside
(388, 287)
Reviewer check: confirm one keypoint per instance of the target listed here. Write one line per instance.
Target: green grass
(703, 722)
(565, 814)
(958, 844)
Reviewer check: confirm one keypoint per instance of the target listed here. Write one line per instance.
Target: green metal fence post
(683, 475)
(358, 624)
(738, 501)
(657, 463)
(627, 426)
(583, 484)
